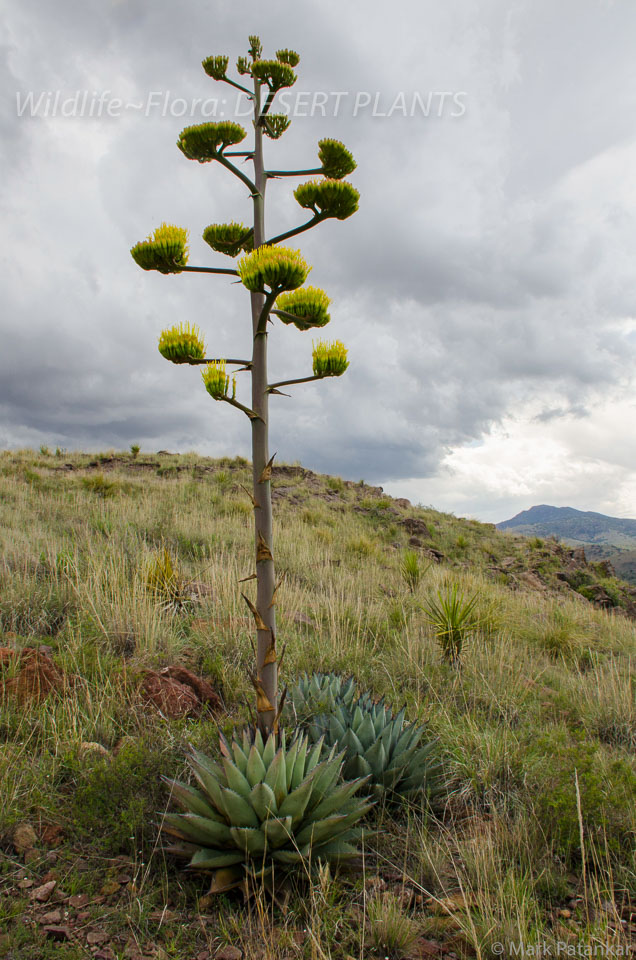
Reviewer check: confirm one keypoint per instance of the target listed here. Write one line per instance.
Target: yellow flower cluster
(229, 238)
(274, 73)
(205, 141)
(276, 267)
(182, 343)
(217, 381)
(330, 359)
(330, 198)
(336, 161)
(308, 305)
(166, 250)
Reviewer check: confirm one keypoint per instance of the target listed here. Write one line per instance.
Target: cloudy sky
(486, 289)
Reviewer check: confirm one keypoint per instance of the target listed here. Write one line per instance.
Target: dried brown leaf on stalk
(263, 553)
(252, 498)
(258, 620)
(276, 591)
(270, 653)
(267, 470)
(263, 703)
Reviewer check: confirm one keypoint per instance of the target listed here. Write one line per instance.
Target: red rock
(228, 953)
(57, 933)
(427, 948)
(416, 527)
(53, 916)
(42, 894)
(177, 692)
(96, 937)
(78, 900)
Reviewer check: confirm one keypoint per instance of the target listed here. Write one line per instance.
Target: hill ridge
(605, 538)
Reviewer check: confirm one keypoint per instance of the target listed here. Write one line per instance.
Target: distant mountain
(602, 537)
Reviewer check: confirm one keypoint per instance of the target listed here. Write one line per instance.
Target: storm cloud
(485, 289)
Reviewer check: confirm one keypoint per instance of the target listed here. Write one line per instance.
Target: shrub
(114, 800)
(336, 484)
(606, 789)
(392, 931)
(41, 610)
(100, 486)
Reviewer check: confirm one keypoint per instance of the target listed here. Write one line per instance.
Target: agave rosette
(206, 141)
(377, 743)
(328, 197)
(308, 307)
(279, 268)
(319, 694)
(182, 343)
(266, 808)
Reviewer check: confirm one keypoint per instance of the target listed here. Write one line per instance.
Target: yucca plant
(274, 276)
(377, 743)
(267, 808)
(165, 583)
(411, 570)
(453, 618)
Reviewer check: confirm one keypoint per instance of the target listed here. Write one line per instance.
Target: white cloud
(586, 462)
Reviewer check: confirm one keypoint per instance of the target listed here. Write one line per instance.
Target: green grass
(542, 707)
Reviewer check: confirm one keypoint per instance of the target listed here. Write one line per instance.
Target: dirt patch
(30, 674)
(177, 692)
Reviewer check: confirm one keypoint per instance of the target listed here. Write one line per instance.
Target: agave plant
(264, 810)
(377, 743)
(319, 695)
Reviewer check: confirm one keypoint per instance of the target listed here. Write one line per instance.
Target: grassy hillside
(534, 839)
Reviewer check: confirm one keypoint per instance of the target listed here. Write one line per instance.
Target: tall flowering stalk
(274, 276)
